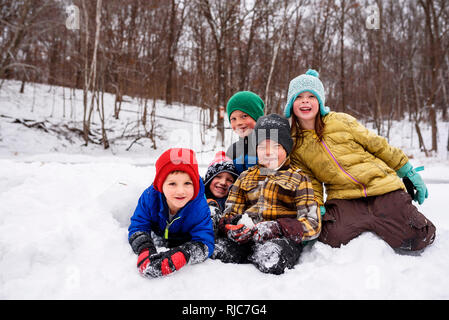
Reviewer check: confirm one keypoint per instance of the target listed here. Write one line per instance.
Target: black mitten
(141, 240)
(274, 256)
(215, 213)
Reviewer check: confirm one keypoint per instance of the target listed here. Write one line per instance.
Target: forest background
(380, 60)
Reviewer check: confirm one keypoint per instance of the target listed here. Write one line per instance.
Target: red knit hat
(220, 156)
(177, 159)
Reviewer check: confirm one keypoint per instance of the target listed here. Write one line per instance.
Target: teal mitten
(322, 210)
(421, 189)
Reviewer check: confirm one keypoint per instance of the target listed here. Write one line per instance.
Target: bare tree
(201, 52)
(286, 16)
(435, 58)
(90, 72)
(220, 16)
(175, 29)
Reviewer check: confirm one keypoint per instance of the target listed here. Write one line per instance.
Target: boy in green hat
(243, 109)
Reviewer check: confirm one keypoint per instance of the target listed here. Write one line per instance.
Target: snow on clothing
(356, 164)
(191, 224)
(280, 195)
(215, 214)
(284, 197)
(272, 256)
(243, 153)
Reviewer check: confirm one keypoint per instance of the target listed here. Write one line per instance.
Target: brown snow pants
(391, 216)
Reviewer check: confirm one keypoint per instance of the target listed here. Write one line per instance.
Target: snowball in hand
(246, 220)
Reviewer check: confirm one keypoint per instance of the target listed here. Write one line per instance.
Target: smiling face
(178, 190)
(220, 184)
(242, 123)
(270, 154)
(306, 108)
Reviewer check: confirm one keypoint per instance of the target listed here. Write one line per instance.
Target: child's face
(242, 123)
(178, 190)
(270, 154)
(220, 185)
(306, 108)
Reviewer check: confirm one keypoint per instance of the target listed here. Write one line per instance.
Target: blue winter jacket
(191, 223)
(243, 153)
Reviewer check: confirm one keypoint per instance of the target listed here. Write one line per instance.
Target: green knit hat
(248, 102)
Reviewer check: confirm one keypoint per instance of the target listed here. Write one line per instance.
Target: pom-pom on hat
(221, 163)
(248, 102)
(274, 127)
(177, 159)
(306, 82)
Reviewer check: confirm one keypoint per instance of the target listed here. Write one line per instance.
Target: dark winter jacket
(243, 153)
(192, 223)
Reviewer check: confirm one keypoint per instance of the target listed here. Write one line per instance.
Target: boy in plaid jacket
(270, 210)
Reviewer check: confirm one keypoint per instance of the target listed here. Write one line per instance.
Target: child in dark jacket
(173, 207)
(220, 176)
(243, 109)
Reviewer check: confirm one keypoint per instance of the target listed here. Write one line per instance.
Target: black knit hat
(274, 127)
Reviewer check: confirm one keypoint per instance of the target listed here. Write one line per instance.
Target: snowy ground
(65, 209)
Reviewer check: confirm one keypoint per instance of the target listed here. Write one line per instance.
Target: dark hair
(297, 130)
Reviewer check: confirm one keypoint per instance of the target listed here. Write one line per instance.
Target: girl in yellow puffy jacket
(360, 172)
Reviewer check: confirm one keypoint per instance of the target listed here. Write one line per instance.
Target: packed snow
(65, 210)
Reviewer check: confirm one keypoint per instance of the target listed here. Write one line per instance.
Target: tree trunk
(91, 79)
(221, 91)
(170, 53)
(434, 42)
(342, 53)
(286, 18)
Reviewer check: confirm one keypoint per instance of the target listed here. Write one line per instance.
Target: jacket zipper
(341, 168)
(168, 226)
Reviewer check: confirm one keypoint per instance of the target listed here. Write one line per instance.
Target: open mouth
(305, 109)
(220, 189)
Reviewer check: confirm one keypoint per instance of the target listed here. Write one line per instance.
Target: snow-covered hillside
(65, 209)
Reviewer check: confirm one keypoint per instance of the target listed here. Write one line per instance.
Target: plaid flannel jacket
(266, 194)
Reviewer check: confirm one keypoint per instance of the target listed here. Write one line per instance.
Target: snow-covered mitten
(266, 230)
(227, 220)
(163, 263)
(143, 260)
(229, 251)
(239, 233)
(215, 213)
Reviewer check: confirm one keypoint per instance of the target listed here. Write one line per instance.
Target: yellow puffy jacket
(351, 161)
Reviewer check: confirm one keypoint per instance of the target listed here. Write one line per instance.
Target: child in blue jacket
(173, 207)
